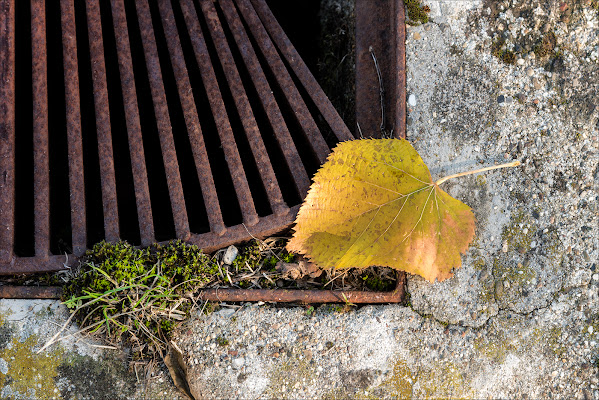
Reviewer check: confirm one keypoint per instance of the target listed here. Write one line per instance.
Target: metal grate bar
(96, 49)
(7, 129)
(244, 109)
(73, 111)
(240, 183)
(299, 68)
(167, 143)
(194, 130)
(41, 177)
(309, 127)
(273, 112)
(138, 162)
(400, 70)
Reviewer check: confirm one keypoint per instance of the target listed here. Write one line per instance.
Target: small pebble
(238, 362)
(412, 100)
(530, 72)
(500, 98)
(417, 36)
(230, 255)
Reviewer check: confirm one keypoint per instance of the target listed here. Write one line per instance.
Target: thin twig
(476, 171)
(381, 90)
(360, 130)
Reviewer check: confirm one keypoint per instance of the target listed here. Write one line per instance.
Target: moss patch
(29, 374)
(495, 347)
(442, 379)
(287, 375)
(399, 384)
(137, 295)
(417, 13)
(106, 379)
(519, 232)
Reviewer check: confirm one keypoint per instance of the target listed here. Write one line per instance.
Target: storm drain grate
(149, 121)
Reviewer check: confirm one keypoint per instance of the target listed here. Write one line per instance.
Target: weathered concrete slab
(487, 84)
(74, 368)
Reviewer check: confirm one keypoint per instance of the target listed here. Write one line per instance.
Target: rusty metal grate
(149, 121)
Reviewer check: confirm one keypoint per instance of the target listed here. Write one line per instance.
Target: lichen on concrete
(74, 368)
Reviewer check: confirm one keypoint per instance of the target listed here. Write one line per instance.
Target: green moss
(548, 337)
(504, 268)
(519, 232)
(546, 46)
(287, 374)
(481, 180)
(376, 283)
(496, 347)
(399, 382)
(249, 257)
(442, 379)
(29, 374)
(221, 341)
(479, 264)
(96, 379)
(499, 50)
(417, 13)
(137, 294)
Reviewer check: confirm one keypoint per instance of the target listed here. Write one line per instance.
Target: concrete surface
(520, 318)
(74, 368)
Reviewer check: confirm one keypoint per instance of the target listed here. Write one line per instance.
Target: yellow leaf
(374, 203)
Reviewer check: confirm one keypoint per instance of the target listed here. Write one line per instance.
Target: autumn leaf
(374, 203)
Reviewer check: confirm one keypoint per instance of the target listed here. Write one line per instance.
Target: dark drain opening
(24, 206)
(301, 22)
(91, 165)
(194, 204)
(303, 145)
(251, 169)
(325, 130)
(274, 150)
(257, 191)
(125, 191)
(164, 225)
(216, 158)
(60, 204)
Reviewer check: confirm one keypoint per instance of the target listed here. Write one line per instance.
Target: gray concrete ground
(489, 81)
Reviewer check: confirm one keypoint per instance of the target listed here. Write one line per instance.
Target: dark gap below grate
(252, 174)
(282, 171)
(164, 225)
(91, 164)
(128, 221)
(194, 203)
(216, 158)
(300, 140)
(60, 204)
(251, 169)
(24, 204)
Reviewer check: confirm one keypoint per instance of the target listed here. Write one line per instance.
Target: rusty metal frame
(245, 295)
(381, 33)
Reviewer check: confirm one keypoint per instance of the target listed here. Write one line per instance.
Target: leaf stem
(476, 171)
